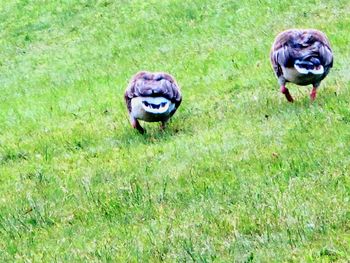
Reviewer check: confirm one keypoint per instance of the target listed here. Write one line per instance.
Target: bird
(152, 97)
(302, 57)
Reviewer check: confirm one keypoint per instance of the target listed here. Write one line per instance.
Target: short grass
(239, 175)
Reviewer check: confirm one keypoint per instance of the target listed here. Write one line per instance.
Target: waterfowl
(303, 57)
(152, 97)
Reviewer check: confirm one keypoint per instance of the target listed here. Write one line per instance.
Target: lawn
(240, 174)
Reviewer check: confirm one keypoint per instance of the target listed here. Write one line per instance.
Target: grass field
(239, 175)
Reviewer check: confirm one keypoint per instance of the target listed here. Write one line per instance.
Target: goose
(303, 57)
(152, 97)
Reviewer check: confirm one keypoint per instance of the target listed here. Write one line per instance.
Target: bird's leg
(163, 125)
(285, 91)
(313, 93)
(136, 125)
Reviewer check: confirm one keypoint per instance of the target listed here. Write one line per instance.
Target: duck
(152, 97)
(303, 57)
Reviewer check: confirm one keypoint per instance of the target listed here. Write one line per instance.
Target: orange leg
(313, 93)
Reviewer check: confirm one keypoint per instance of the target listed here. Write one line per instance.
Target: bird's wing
(326, 55)
(130, 91)
(281, 54)
(323, 46)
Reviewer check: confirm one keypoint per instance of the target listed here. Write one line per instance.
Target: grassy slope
(240, 174)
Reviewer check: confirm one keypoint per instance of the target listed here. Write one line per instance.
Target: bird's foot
(285, 91)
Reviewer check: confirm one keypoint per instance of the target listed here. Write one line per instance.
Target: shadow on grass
(180, 125)
(153, 135)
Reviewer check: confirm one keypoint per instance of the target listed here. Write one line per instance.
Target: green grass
(239, 175)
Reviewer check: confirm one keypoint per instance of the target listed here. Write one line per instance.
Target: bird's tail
(310, 66)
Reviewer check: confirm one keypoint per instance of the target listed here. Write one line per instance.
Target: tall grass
(239, 175)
